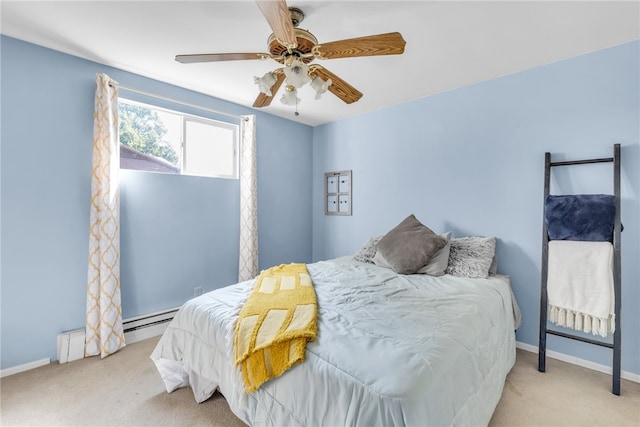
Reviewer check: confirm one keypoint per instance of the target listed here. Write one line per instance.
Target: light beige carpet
(125, 390)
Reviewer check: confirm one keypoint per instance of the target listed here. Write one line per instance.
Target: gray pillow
(436, 266)
(409, 245)
(367, 251)
(438, 263)
(379, 260)
(471, 256)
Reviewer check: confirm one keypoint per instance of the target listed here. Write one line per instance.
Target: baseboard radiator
(71, 343)
(147, 326)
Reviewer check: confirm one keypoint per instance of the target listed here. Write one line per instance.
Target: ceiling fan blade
(338, 87)
(263, 100)
(277, 15)
(381, 44)
(215, 57)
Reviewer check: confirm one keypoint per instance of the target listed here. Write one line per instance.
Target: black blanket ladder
(544, 330)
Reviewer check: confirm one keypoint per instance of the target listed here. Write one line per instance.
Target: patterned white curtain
(248, 201)
(104, 333)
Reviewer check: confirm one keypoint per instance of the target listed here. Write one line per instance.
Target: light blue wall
(471, 161)
(178, 232)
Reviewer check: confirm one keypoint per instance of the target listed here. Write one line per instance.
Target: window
(160, 140)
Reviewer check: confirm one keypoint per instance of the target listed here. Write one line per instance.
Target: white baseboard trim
(579, 362)
(156, 330)
(135, 329)
(26, 367)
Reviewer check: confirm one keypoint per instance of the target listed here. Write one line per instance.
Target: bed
(391, 348)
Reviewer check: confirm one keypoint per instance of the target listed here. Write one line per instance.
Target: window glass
(210, 150)
(159, 140)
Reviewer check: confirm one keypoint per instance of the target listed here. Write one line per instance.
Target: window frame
(183, 144)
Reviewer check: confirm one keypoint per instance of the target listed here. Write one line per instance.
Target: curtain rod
(188, 104)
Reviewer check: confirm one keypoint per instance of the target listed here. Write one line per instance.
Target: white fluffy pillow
(368, 250)
(471, 256)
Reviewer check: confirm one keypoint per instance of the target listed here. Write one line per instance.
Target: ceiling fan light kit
(290, 96)
(265, 83)
(295, 48)
(297, 73)
(320, 86)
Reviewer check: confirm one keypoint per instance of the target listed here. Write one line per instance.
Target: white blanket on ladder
(580, 286)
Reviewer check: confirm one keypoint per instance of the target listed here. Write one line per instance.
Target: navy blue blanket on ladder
(583, 217)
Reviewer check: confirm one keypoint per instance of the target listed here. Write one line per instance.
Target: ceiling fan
(295, 48)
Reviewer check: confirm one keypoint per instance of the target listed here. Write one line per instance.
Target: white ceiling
(450, 44)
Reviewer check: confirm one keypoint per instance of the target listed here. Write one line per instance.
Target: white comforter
(391, 350)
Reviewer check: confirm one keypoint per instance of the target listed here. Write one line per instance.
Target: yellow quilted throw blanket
(275, 324)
